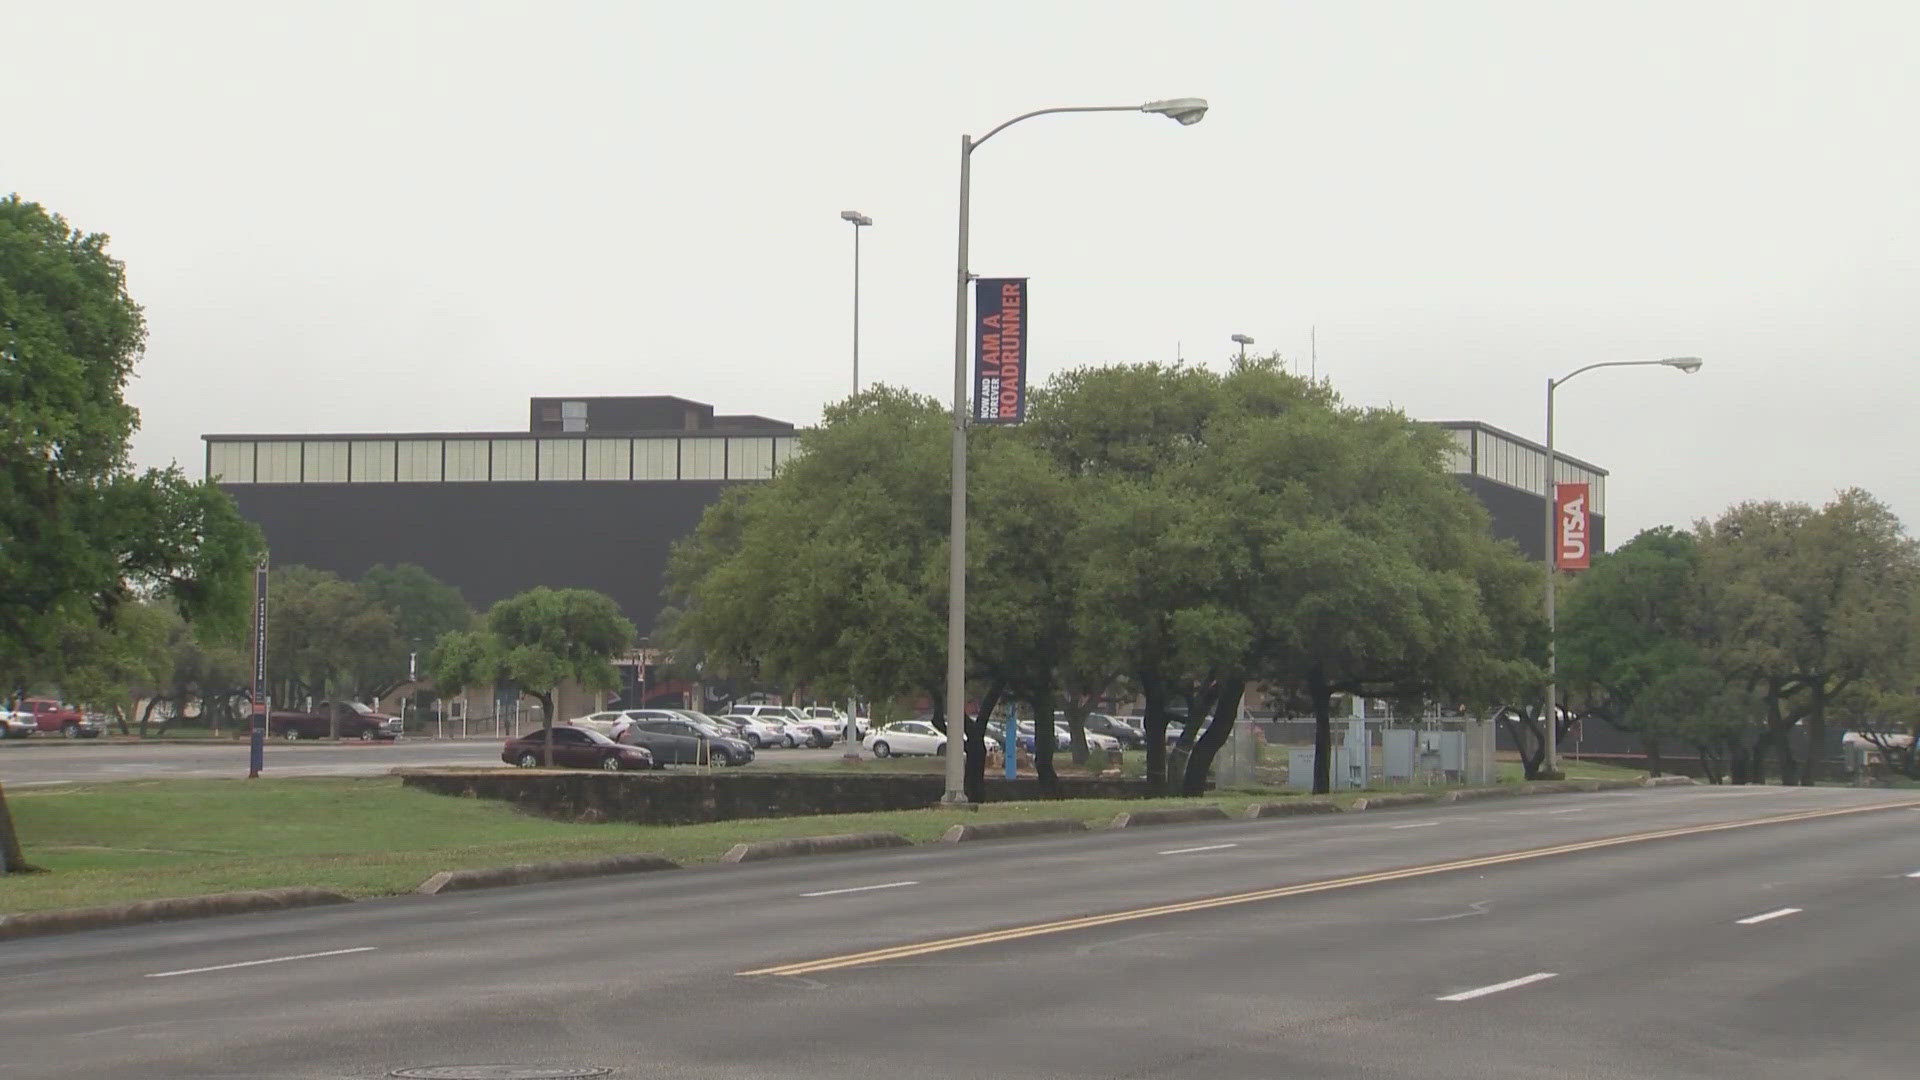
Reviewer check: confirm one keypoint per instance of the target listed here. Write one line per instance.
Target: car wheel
(366, 736)
(71, 731)
(790, 743)
(881, 749)
(290, 735)
(940, 751)
(529, 760)
(611, 763)
(755, 741)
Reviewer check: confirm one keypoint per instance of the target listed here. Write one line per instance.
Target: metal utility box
(1300, 768)
(1397, 753)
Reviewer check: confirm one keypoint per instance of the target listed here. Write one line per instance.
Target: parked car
(50, 717)
(905, 737)
(356, 721)
(757, 732)
(679, 741)
(837, 720)
(606, 723)
(1063, 738)
(812, 731)
(1128, 736)
(798, 728)
(574, 748)
(15, 725)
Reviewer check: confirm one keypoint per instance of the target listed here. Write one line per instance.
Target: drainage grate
(500, 1071)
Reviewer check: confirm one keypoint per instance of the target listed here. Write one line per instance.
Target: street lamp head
(1186, 110)
(1688, 364)
(1242, 339)
(856, 217)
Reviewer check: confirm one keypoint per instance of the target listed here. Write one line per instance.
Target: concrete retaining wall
(688, 798)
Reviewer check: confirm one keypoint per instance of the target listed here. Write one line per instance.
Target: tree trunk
(146, 714)
(1226, 710)
(1522, 725)
(546, 718)
(1652, 744)
(1155, 691)
(11, 860)
(1816, 730)
(1322, 695)
(976, 745)
(1043, 747)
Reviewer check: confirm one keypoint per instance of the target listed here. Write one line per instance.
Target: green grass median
(138, 840)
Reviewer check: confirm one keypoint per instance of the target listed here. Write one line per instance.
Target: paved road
(1244, 950)
(24, 764)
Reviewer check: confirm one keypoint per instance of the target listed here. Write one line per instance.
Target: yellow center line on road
(993, 937)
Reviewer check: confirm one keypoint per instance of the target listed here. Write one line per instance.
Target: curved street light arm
(972, 144)
(1609, 363)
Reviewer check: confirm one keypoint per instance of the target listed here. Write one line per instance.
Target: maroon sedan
(575, 748)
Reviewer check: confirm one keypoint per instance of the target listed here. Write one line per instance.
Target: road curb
(166, 910)
(998, 830)
(1464, 794)
(1179, 815)
(1291, 807)
(757, 850)
(1393, 799)
(1669, 781)
(492, 877)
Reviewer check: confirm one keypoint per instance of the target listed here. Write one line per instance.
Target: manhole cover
(501, 1072)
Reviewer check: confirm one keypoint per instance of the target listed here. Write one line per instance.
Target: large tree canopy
(1192, 531)
(79, 529)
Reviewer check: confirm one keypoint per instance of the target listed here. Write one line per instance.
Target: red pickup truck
(356, 721)
(50, 717)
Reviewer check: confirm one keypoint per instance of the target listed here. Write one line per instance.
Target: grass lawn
(368, 836)
(135, 840)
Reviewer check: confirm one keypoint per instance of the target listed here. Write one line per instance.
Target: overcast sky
(412, 216)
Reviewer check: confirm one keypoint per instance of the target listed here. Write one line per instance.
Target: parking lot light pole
(1243, 341)
(1550, 763)
(1186, 111)
(859, 221)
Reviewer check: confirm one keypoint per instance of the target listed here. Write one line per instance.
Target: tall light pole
(859, 221)
(1184, 110)
(1243, 341)
(1687, 364)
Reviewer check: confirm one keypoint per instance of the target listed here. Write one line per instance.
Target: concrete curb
(1292, 807)
(1464, 794)
(492, 877)
(1669, 781)
(756, 850)
(1553, 787)
(1181, 815)
(1393, 799)
(148, 911)
(996, 830)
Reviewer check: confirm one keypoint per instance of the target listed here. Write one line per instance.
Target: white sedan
(759, 731)
(906, 737)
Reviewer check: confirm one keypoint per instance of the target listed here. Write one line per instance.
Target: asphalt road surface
(1684, 932)
(28, 763)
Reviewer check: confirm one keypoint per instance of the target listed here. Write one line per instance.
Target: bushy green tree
(80, 530)
(534, 641)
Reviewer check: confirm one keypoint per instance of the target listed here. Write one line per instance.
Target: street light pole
(1186, 111)
(1550, 763)
(859, 221)
(1243, 341)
